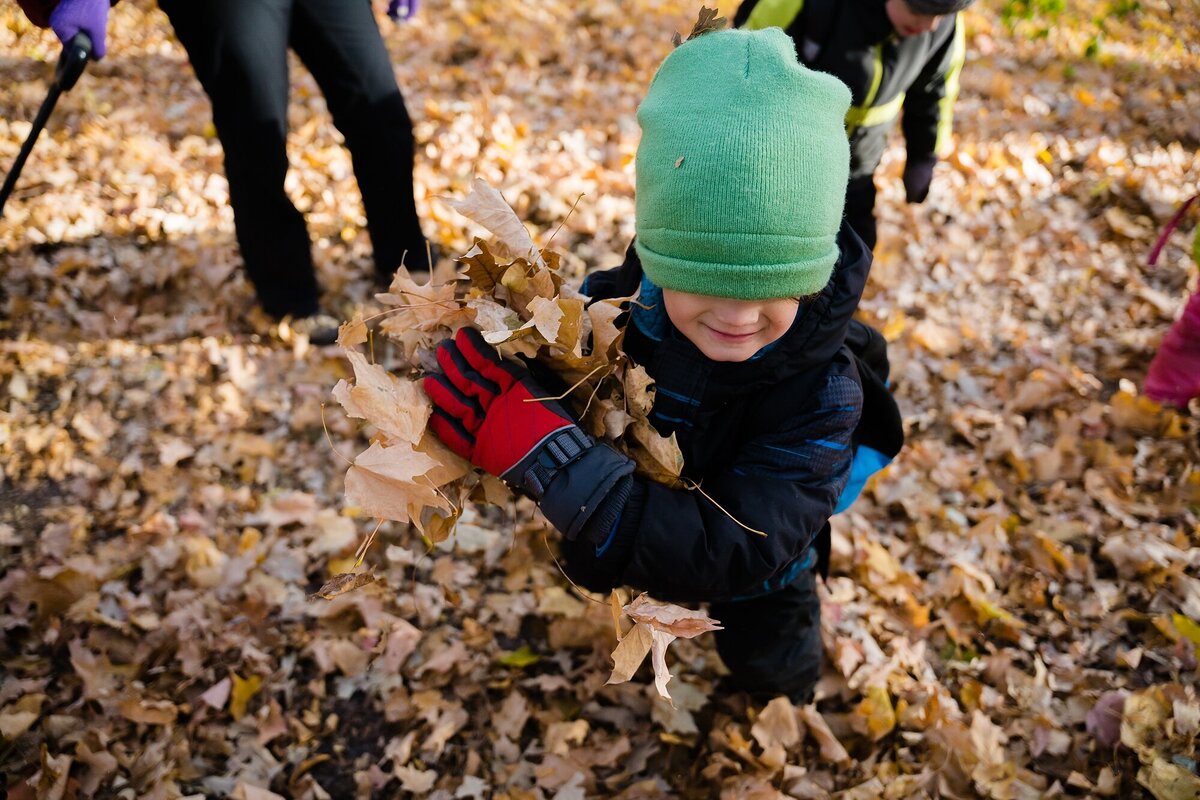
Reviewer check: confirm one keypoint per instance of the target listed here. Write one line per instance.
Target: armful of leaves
(522, 306)
(514, 294)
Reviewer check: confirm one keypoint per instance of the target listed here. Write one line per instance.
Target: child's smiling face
(726, 329)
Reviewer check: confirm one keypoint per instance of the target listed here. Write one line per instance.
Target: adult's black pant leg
(238, 49)
(340, 43)
(860, 208)
(772, 644)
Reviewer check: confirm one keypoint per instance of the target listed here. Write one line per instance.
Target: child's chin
(725, 352)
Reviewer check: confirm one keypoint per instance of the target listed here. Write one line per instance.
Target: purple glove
(402, 9)
(90, 16)
(917, 177)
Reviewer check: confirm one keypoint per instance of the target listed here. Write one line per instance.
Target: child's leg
(1174, 374)
(772, 644)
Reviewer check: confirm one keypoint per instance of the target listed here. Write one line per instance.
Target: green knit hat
(742, 169)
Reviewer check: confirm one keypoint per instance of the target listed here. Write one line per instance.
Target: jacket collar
(812, 342)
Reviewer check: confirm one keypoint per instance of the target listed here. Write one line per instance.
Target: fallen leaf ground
(171, 496)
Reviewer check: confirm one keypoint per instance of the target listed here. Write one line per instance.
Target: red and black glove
(494, 414)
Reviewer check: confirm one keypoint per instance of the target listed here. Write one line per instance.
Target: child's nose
(738, 314)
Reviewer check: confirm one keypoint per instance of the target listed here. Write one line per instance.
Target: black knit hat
(937, 8)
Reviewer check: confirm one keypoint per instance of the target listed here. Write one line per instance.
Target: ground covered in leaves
(1014, 609)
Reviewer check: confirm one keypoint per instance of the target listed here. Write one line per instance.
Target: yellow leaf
(614, 600)
(1167, 781)
(1139, 414)
(17, 718)
(570, 329)
(243, 691)
(895, 326)
(876, 713)
(514, 278)
(605, 333)
(1143, 720)
(250, 539)
(352, 333)
(1187, 627)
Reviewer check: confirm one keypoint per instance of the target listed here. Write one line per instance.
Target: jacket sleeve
(748, 523)
(929, 104)
(38, 11)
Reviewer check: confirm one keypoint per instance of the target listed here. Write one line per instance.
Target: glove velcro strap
(555, 452)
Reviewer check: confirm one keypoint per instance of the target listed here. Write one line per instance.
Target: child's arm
(929, 103)
(492, 413)
(685, 545)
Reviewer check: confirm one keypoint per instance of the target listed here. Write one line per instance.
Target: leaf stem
(329, 439)
(582, 592)
(693, 485)
(576, 385)
(361, 553)
(542, 251)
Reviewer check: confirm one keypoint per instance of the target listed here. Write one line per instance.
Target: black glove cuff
(577, 491)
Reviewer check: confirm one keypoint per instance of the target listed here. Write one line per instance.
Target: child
(1174, 375)
(892, 54)
(748, 283)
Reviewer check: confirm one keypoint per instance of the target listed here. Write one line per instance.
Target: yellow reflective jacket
(914, 78)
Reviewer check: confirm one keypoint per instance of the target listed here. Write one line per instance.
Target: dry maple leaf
(675, 620)
(521, 306)
(657, 625)
(384, 483)
(707, 22)
(340, 584)
(487, 207)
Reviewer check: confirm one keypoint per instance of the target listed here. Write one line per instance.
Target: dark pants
(772, 643)
(238, 49)
(860, 208)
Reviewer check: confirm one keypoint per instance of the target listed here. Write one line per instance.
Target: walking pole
(71, 63)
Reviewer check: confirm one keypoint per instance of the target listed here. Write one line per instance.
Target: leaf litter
(1013, 605)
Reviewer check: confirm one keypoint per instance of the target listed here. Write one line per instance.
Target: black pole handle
(71, 63)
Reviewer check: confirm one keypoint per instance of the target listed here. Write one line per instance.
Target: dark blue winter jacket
(770, 441)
